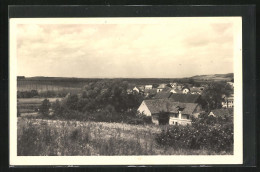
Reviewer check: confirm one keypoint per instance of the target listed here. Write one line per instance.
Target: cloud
(125, 50)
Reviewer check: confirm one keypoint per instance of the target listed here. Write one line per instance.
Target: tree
(212, 95)
(72, 102)
(34, 93)
(57, 108)
(45, 106)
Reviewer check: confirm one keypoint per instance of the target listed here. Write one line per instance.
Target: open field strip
(41, 137)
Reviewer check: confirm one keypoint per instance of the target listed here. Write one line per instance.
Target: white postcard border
(237, 158)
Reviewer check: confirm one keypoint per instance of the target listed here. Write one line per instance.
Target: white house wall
(144, 109)
(177, 121)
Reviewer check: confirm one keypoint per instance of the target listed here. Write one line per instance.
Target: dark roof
(168, 105)
(167, 89)
(185, 98)
(195, 89)
(151, 91)
(162, 95)
(222, 112)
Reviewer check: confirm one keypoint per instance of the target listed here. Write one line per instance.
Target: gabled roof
(167, 89)
(167, 105)
(151, 91)
(185, 98)
(162, 95)
(162, 86)
(222, 112)
(185, 88)
(141, 88)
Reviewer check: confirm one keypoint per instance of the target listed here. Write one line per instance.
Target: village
(175, 104)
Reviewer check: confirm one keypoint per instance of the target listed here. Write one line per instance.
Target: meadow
(27, 106)
(44, 137)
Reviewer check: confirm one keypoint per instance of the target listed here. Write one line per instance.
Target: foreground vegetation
(206, 132)
(41, 137)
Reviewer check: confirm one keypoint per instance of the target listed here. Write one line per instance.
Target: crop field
(42, 137)
(35, 100)
(29, 105)
(216, 77)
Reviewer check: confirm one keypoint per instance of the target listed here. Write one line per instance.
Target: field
(41, 137)
(27, 106)
(215, 77)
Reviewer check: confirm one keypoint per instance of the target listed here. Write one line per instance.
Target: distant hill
(214, 77)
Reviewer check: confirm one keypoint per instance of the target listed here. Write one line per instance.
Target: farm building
(162, 95)
(161, 87)
(228, 102)
(196, 90)
(179, 97)
(167, 111)
(132, 89)
(150, 92)
(186, 98)
(185, 90)
(175, 91)
(173, 84)
(148, 87)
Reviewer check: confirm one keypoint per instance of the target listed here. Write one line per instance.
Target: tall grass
(39, 137)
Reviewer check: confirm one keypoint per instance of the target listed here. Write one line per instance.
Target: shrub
(72, 102)
(45, 106)
(218, 137)
(27, 94)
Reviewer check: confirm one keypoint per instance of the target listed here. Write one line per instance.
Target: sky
(174, 49)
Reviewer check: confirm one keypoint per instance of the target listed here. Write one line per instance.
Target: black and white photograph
(117, 91)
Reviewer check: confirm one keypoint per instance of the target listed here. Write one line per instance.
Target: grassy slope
(68, 138)
(215, 77)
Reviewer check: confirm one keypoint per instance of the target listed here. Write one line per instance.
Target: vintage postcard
(126, 91)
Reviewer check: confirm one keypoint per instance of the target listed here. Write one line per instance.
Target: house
(221, 113)
(196, 90)
(161, 87)
(167, 111)
(228, 102)
(176, 91)
(136, 89)
(179, 87)
(141, 88)
(185, 90)
(173, 84)
(186, 98)
(132, 89)
(148, 87)
(162, 95)
(176, 85)
(150, 92)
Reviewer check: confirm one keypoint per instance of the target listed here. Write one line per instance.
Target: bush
(27, 94)
(45, 106)
(218, 137)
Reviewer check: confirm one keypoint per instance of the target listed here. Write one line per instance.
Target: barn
(167, 111)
